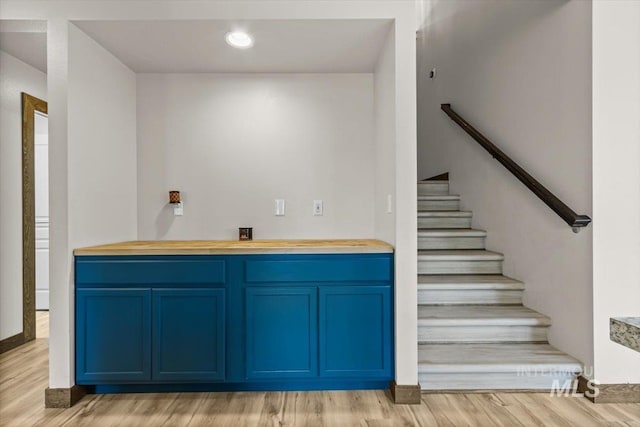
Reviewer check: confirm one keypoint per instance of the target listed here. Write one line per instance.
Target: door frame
(30, 104)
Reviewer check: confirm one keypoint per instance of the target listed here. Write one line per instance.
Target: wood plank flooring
(42, 324)
(24, 376)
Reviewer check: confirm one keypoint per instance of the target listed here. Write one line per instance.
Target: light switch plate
(178, 209)
(389, 203)
(318, 208)
(279, 207)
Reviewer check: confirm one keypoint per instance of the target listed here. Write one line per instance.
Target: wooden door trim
(30, 104)
(11, 342)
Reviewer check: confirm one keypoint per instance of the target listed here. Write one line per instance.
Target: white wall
(395, 177)
(232, 143)
(61, 313)
(406, 205)
(616, 183)
(102, 142)
(15, 77)
(521, 73)
(385, 141)
(97, 94)
(58, 16)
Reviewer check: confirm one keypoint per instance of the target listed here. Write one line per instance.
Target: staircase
(473, 331)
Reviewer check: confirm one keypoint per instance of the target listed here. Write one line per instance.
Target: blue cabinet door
(355, 331)
(188, 335)
(281, 333)
(113, 335)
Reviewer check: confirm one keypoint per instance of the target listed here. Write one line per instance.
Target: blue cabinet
(281, 332)
(188, 335)
(113, 335)
(117, 340)
(234, 322)
(355, 331)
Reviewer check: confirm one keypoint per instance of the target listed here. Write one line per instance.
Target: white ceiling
(292, 46)
(27, 47)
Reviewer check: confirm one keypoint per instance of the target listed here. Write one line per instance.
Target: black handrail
(565, 212)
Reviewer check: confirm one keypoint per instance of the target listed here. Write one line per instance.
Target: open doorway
(23, 88)
(41, 181)
(33, 147)
(35, 212)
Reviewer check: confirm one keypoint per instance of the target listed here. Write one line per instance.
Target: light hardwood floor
(42, 324)
(24, 376)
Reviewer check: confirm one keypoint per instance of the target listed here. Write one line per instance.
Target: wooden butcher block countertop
(222, 247)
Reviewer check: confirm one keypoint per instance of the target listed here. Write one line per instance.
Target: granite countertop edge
(625, 331)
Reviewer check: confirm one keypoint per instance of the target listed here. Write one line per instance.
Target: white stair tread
(459, 255)
(481, 315)
(445, 214)
(468, 281)
(457, 358)
(432, 197)
(451, 232)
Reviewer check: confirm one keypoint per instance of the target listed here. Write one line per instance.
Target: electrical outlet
(318, 208)
(279, 207)
(178, 209)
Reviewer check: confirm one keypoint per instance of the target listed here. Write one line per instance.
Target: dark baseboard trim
(405, 394)
(11, 342)
(63, 397)
(585, 387)
(609, 393)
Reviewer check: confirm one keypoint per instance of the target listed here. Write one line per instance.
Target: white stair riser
(482, 334)
(459, 267)
(490, 381)
(438, 205)
(465, 297)
(433, 188)
(444, 222)
(433, 242)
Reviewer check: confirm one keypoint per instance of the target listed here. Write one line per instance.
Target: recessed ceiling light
(239, 39)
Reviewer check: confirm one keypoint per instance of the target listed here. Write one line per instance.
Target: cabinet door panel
(281, 332)
(188, 335)
(355, 331)
(113, 337)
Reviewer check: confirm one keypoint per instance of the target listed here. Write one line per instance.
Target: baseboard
(11, 342)
(291, 384)
(63, 397)
(405, 394)
(609, 393)
(486, 391)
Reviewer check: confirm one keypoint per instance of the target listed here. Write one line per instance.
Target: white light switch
(389, 203)
(279, 210)
(318, 208)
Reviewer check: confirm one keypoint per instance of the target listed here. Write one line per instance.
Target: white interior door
(42, 210)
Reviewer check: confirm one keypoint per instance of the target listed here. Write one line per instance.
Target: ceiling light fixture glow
(239, 39)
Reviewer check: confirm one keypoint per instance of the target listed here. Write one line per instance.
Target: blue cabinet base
(234, 322)
(284, 385)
